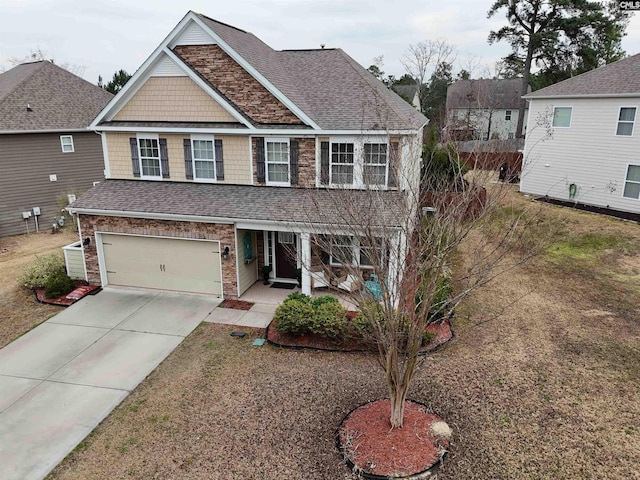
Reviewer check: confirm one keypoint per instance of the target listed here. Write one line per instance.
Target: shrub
(427, 337)
(316, 302)
(329, 319)
(440, 303)
(294, 316)
(301, 297)
(41, 270)
(58, 285)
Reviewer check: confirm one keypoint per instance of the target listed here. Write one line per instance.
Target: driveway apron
(60, 380)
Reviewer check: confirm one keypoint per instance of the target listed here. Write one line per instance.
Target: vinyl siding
(173, 99)
(247, 272)
(74, 260)
(237, 166)
(588, 154)
(479, 120)
(27, 160)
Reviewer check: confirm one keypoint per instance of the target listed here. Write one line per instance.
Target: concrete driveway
(61, 379)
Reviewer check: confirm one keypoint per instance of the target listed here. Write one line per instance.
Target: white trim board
(306, 133)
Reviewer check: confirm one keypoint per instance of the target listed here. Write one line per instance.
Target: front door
(286, 263)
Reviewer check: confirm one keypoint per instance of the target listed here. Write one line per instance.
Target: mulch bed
(375, 450)
(236, 304)
(69, 298)
(443, 334)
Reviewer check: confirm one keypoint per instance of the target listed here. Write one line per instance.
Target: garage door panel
(162, 263)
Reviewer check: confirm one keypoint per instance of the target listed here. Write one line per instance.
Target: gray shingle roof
(485, 93)
(327, 85)
(621, 77)
(243, 202)
(408, 91)
(59, 100)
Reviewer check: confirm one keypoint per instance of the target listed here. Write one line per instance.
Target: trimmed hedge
(299, 315)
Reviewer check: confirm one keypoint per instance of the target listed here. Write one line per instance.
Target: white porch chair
(319, 279)
(348, 283)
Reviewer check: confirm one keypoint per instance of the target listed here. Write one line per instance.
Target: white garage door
(163, 263)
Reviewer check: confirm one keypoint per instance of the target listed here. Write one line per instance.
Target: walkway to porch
(265, 294)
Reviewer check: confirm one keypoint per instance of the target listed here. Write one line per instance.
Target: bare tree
(394, 249)
(423, 57)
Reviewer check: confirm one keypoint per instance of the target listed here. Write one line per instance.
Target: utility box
(26, 215)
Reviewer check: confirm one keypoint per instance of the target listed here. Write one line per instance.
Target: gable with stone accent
(236, 84)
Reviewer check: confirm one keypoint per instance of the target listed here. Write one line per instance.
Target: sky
(99, 37)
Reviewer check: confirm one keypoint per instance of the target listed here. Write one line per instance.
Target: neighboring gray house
(582, 145)
(410, 93)
(484, 109)
(46, 150)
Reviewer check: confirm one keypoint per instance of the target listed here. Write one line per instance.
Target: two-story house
(583, 146)
(484, 109)
(47, 154)
(212, 151)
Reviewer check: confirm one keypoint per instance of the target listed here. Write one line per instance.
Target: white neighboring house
(585, 147)
(484, 109)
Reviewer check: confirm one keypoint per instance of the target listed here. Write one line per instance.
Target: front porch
(266, 294)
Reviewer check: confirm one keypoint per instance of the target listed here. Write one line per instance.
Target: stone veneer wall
(162, 228)
(306, 163)
(235, 83)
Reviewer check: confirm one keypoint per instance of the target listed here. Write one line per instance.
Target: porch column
(397, 254)
(305, 239)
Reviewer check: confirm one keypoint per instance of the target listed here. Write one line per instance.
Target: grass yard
(20, 311)
(550, 388)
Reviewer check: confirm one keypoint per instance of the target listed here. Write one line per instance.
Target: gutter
(589, 95)
(68, 130)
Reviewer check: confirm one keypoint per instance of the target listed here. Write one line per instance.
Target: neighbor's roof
(621, 77)
(485, 93)
(326, 84)
(408, 91)
(58, 99)
(243, 202)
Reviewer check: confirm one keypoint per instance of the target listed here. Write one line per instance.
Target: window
(375, 164)
(149, 157)
(562, 117)
(632, 183)
(204, 165)
(277, 159)
(507, 115)
(342, 163)
(347, 249)
(511, 135)
(341, 250)
(67, 143)
(286, 238)
(626, 118)
(366, 253)
(359, 162)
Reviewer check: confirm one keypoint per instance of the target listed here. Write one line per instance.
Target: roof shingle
(621, 77)
(243, 202)
(485, 93)
(327, 84)
(58, 99)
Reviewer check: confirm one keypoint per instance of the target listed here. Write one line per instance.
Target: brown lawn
(548, 389)
(19, 310)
